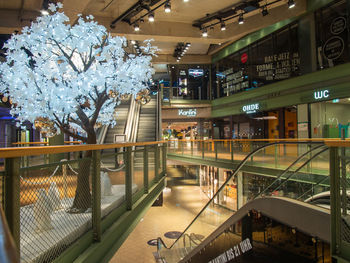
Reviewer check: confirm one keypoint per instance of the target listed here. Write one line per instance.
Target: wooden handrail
(39, 150)
(45, 143)
(261, 140)
(337, 143)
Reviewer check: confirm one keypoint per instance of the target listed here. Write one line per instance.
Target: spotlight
(44, 12)
(291, 4)
(204, 32)
(133, 42)
(177, 60)
(186, 1)
(188, 44)
(223, 26)
(136, 27)
(167, 7)
(151, 17)
(264, 11)
(241, 19)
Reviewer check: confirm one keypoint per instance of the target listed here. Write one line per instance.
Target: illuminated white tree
(72, 76)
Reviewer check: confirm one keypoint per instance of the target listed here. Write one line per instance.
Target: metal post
(156, 162)
(232, 151)
(191, 148)
(12, 198)
(343, 176)
(128, 178)
(145, 169)
(216, 150)
(182, 147)
(65, 183)
(276, 153)
(203, 143)
(164, 159)
(335, 200)
(96, 195)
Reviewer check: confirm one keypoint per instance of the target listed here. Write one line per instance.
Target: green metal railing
(308, 168)
(48, 206)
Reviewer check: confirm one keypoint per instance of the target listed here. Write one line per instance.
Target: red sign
(244, 58)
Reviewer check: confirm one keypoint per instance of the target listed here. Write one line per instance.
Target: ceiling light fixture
(264, 11)
(223, 26)
(291, 3)
(241, 19)
(136, 27)
(133, 42)
(167, 7)
(204, 32)
(151, 17)
(44, 12)
(186, 1)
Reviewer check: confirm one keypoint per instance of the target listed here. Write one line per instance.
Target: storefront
(181, 122)
(255, 124)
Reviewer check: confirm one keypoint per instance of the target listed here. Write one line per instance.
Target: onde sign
(251, 108)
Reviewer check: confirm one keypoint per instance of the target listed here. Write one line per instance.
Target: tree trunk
(82, 200)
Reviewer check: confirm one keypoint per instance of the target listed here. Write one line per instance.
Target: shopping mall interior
(175, 131)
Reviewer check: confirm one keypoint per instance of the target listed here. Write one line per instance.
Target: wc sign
(322, 94)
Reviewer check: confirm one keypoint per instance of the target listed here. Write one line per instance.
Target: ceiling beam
(187, 59)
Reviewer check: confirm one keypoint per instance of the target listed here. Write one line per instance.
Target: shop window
(332, 35)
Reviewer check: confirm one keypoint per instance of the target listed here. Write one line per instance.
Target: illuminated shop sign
(188, 112)
(322, 94)
(196, 72)
(251, 108)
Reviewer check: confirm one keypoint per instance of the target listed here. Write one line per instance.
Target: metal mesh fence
(112, 181)
(55, 210)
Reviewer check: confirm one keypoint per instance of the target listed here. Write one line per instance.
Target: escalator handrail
(240, 165)
(290, 166)
(297, 170)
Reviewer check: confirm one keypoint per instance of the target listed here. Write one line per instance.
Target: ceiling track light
(264, 11)
(151, 17)
(241, 19)
(167, 7)
(186, 1)
(291, 3)
(136, 27)
(223, 26)
(204, 32)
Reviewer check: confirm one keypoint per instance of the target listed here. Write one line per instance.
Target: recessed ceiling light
(223, 26)
(136, 27)
(241, 19)
(44, 12)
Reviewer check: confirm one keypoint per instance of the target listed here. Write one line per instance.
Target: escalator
(271, 221)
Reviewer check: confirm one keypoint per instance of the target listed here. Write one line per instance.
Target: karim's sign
(188, 112)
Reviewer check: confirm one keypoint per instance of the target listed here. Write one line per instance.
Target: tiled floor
(181, 205)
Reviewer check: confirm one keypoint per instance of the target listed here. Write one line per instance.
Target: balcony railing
(50, 202)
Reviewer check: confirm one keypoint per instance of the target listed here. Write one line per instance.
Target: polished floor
(183, 200)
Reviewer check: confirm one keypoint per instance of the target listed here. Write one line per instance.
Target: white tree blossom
(67, 73)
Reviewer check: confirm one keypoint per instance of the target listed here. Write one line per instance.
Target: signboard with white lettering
(187, 112)
(321, 94)
(233, 252)
(251, 108)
